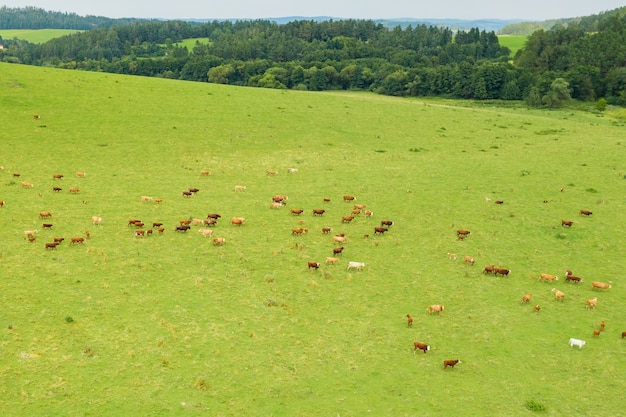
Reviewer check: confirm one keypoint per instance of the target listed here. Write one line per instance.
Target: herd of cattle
(207, 227)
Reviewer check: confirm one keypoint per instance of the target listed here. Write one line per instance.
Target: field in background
(36, 36)
(172, 325)
(514, 43)
(191, 42)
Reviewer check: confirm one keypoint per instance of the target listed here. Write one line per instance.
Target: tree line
(36, 18)
(351, 54)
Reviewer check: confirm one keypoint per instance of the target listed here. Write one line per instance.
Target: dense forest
(585, 60)
(36, 18)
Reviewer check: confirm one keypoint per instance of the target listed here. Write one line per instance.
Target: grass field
(36, 35)
(173, 325)
(514, 43)
(191, 42)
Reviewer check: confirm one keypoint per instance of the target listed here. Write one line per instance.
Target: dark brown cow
(132, 222)
(386, 223)
(318, 212)
(567, 223)
(586, 213)
(76, 240)
(210, 222)
(499, 202)
(462, 234)
(422, 346)
(183, 228)
(502, 271)
(47, 225)
(380, 230)
(349, 198)
(138, 224)
(52, 245)
(57, 176)
(161, 230)
(297, 212)
(57, 189)
(157, 224)
(193, 190)
(326, 230)
(623, 335)
(214, 216)
(573, 278)
(187, 193)
(326, 200)
(59, 239)
(314, 265)
(450, 362)
(337, 251)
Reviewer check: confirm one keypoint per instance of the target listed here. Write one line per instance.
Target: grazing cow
(161, 230)
(36, 116)
(591, 303)
(59, 239)
(138, 224)
(567, 223)
(450, 362)
(96, 220)
(158, 201)
(499, 202)
(197, 222)
(2, 203)
(276, 205)
(452, 256)
(157, 224)
(347, 219)
(297, 212)
(237, 221)
(368, 213)
(380, 230)
(422, 346)
(214, 216)
(526, 298)
(57, 189)
(149, 232)
(271, 172)
(219, 241)
(183, 228)
(326, 200)
(77, 240)
(573, 278)
(623, 335)
(356, 265)
(140, 233)
(600, 285)
(132, 222)
(210, 222)
(326, 230)
(468, 260)
(340, 239)
(597, 332)
(45, 214)
(15, 174)
(330, 260)
(586, 212)
(462, 234)
(314, 265)
(194, 190)
(204, 172)
(558, 295)
(537, 308)
(602, 325)
(185, 222)
(52, 245)
(359, 206)
(502, 271)
(187, 193)
(292, 170)
(489, 269)
(31, 239)
(27, 184)
(577, 342)
(146, 198)
(349, 198)
(355, 212)
(88, 235)
(409, 320)
(337, 251)
(81, 174)
(548, 277)
(435, 308)
(318, 212)
(74, 190)
(57, 176)
(30, 233)
(206, 232)
(298, 231)
(386, 223)
(47, 225)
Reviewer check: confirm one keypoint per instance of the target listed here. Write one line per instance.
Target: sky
(356, 9)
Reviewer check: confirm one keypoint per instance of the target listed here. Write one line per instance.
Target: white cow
(206, 232)
(576, 342)
(356, 265)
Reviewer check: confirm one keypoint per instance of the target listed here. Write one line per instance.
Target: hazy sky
(358, 9)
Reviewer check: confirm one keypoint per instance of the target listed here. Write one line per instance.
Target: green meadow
(514, 43)
(172, 325)
(36, 35)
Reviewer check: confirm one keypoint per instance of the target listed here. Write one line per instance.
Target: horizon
(532, 10)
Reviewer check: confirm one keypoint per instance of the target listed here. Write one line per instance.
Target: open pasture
(36, 35)
(171, 324)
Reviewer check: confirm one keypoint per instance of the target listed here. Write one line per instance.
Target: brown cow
(194, 190)
(27, 184)
(76, 240)
(157, 224)
(74, 190)
(298, 231)
(187, 193)
(214, 216)
(526, 298)
(184, 222)
(330, 260)
(52, 245)
(45, 214)
(297, 212)
(326, 230)
(600, 285)
(548, 277)
(586, 212)
(489, 269)
(409, 320)
(140, 233)
(337, 251)
(573, 278)
(57, 189)
(435, 308)
(567, 223)
(210, 222)
(59, 239)
(462, 234)
(380, 230)
(238, 221)
(57, 176)
(219, 241)
(386, 223)
(47, 225)
(314, 265)
(422, 346)
(623, 335)
(450, 362)
(502, 271)
(349, 198)
(318, 212)
(182, 228)
(591, 303)
(347, 219)
(81, 174)
(468, 260)
(204, 172)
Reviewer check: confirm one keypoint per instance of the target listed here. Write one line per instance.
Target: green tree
(558, 94)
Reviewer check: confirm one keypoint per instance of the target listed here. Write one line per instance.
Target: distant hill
(36, 18)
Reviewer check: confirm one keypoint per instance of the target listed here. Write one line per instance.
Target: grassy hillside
(514, 43)
(35, 35)
(173, 325)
